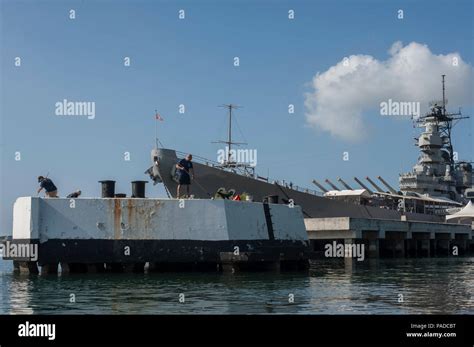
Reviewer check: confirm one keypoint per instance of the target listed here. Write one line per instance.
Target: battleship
(435, 186)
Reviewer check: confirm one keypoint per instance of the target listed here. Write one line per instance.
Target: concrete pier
(94, 235)
(391, 238)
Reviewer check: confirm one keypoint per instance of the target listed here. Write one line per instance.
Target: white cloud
(342, 94)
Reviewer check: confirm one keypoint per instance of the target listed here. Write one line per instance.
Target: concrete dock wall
(159, 231)
(157, 219)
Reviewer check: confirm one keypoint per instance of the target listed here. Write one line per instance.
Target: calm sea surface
(436, 285)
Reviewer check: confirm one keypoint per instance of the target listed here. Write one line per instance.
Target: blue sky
(190, 62)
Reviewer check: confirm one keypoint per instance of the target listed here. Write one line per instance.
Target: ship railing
(241, 171)
(198, 159)
(236, 167)
(304, 190)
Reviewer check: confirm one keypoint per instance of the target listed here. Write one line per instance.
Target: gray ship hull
(209, 179)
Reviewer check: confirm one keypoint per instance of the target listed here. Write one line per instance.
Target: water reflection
(397, 286)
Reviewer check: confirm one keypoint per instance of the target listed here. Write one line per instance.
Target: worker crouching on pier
(49, 187)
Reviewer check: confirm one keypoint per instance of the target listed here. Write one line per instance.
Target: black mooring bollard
(138, 189)
(108, 189)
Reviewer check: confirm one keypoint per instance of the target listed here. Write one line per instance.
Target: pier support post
(423, 244)
(394, 244)
(49, 269)
(65, 268)
(371, 242)
(349, 262)
(134, 267)
(411, 248)
(399, 248)
(442, 246)
(228, 268)
(25, 267)
(424, 248)
(373, 251)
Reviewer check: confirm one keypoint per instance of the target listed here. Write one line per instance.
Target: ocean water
(393, 286)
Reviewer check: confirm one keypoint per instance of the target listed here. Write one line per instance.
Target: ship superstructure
(438, 173)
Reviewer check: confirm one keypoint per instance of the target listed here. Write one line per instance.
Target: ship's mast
(446, 124)
(156, 130)
(444, 98)
(229, 141)
(229, 162)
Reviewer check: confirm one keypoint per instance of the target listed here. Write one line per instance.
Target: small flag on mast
(158, 117)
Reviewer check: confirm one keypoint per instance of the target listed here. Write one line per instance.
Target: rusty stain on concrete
(117, 219)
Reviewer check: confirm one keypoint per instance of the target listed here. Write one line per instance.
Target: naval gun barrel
(331, 184)
(363, 185)
(393, 191)
(344, 183)
(320, 186)
(374, 185)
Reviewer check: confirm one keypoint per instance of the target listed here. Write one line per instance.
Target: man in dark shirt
(185, 173)
(48, 186)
